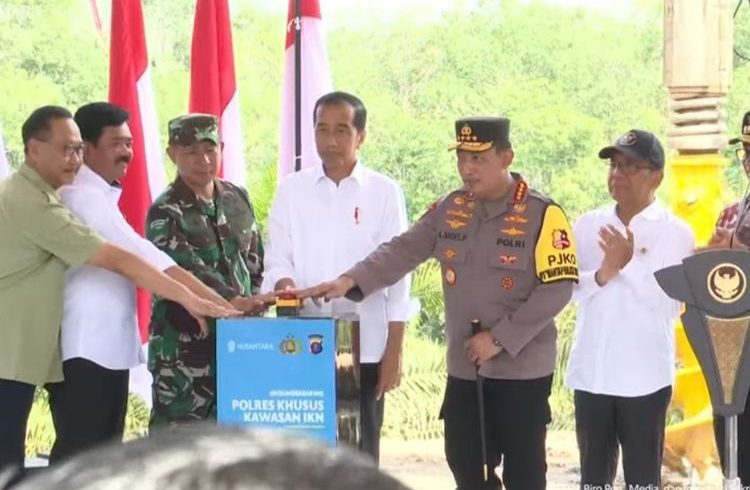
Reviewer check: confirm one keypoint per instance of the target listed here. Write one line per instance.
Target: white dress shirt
(99, 317)
(317, 230)
(624, 340)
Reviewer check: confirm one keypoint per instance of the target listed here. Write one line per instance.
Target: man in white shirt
(324, 220)
(622, 361)
(100, 340)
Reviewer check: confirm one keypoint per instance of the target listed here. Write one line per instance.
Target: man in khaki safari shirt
(39, 239)
(508, 260)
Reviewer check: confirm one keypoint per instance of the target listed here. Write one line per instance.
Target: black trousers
(88, 408)
(15, 405)
(516, 416)
(371, 410)
(605, 422)
(743, 442)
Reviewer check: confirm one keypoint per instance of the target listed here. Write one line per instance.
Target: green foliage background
(570, 79)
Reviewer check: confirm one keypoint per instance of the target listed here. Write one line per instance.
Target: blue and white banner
(278, 373)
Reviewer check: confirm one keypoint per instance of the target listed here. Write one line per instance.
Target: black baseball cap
(638, 144)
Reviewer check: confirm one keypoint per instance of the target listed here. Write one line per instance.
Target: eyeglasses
(741, 154)
(627, 167)
(68, 150)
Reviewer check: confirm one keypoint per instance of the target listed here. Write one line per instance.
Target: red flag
(315, 81)
(130, 88)
(213, 88)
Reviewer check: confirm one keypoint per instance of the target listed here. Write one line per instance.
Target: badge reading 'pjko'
(555, 253)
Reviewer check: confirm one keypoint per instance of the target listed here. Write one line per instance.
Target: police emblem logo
(512, 231)
(628, 139)
(560, 239)
(315, 343)
(508, 259)
(450, 276)
(726, 283)
(519, 207)
(459, 201)
(507, 282)
(290, 345)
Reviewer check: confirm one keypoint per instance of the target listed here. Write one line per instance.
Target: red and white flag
(315, 81)
(4, 165)
(213, 87)
(130, 88)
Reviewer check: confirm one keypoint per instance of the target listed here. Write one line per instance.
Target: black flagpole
(297, 87)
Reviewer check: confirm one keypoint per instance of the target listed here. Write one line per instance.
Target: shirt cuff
(163, 261)
(399, 311)
(506, 341)
(587, 285)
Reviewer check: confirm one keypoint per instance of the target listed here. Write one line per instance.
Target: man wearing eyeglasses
(731, 231)
(40, 239)
(622, 362)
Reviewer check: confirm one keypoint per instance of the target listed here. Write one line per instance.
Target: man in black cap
(508, 260)
(732, 230)
(622, 362)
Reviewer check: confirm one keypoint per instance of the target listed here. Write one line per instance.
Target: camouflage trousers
(183, 366)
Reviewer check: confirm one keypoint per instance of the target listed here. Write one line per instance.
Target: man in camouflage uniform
(207, 226)
(508, 260)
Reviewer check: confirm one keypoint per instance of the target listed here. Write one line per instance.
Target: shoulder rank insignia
(522, 189)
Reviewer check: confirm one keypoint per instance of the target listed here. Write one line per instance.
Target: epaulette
(540, 196)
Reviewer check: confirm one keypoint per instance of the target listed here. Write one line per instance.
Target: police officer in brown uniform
(508, 259)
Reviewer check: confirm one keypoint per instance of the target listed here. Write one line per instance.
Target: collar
(515, 200)
(86, 176)
(652, 212)
(36, 180)
(358, 173)
(183, 193)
